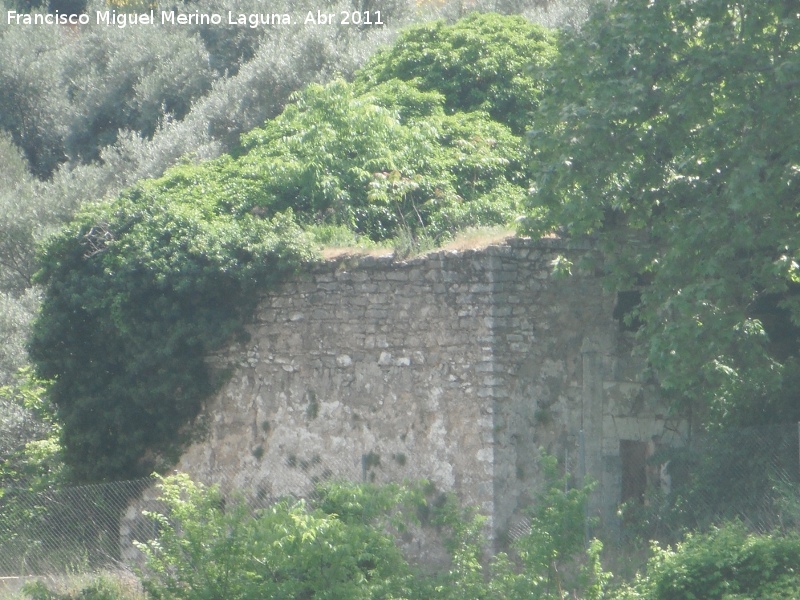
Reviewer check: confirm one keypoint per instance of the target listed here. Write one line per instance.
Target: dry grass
(122, 584)
(480, 237)
(469, 239)
(337, 252)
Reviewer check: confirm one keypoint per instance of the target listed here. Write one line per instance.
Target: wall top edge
(505, 248)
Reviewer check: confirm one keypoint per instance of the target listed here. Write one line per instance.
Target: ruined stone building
(457, 367)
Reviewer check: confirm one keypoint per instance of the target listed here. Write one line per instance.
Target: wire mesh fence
(745, 474)
(68, 530)
(92, 527)
(751, 474)
(748, 474)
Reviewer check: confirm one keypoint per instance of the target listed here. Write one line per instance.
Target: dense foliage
(140, 288)
(29, 439)
(66, 95)
(343, 545)
(382, 161)
(289, 550)
(725, 564)
(139, 291)
(70, 97)
(554, 560)
(667, 132)
(482, 62)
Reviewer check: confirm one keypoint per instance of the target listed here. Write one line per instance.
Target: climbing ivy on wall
(139, 289)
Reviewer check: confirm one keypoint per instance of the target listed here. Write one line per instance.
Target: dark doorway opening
(634, 470)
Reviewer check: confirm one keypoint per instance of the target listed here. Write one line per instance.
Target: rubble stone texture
(456, 367)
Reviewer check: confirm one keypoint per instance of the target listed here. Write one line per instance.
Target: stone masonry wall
(455, 366)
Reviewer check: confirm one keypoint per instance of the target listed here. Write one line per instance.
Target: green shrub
(552, 561)
(382, 162)
(725, 564)
(101, 587)
(482, 62)
(340, 547)
(555, 559)
(208, 548)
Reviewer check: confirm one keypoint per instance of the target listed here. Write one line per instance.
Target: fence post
(582, 460)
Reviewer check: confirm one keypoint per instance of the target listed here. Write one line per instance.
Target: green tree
(20, 221)
(24, 218)
(65, 96)
(667, 133)
(32, 103)
(128, 79)
(481, 62)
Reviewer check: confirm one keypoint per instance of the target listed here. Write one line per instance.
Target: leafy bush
(209, 548)
(29, 446)
(558, 537)
(383, 161)
(342, 546)
(551, 561)
(482, 62)
(727, 563)
(283, 63)
(101, 587)
(555, 559)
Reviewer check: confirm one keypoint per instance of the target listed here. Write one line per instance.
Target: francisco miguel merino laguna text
(171, 17)
(168, 17)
